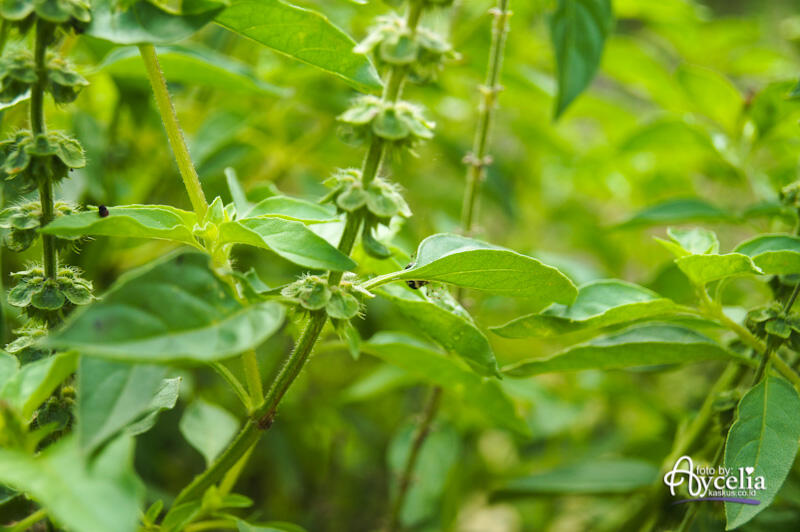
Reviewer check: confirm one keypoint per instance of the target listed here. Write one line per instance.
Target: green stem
(431, 408)
(4, 25)
(28, 522)
(264, 414)
(262, 417)
(49, 256)
(188, 173)
(478, 159)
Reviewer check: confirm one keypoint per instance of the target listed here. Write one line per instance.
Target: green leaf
(431, 366)
(437, 457)
(462, 261)
(164, 399)
(647, 345)
(34, 382)
(290, 239)
(455, 333)
(773, 254)
(302, 34)
(703, 269)
(578, 29)
(132, 221)
(764, 436)
(677, 211)
(9, 365)
(195, 66)
(694, 241)
(71, 489)
(711, 94)
(599, 304)
(596, 477)
(174, 310)
(238, 194)
(293, 209)
(208, 428)
(144, 23)
(112, 395)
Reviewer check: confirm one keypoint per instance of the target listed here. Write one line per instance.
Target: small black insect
(102, 210)
(416, 285)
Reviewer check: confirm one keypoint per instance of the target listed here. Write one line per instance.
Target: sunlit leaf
(764, 437)
(293, 209)
(132, 221)
(678, 211)
(33, 383)
(462, 261)
(302, 34)
(288, 238)
(773, 254)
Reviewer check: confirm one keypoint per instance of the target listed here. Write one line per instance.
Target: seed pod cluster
(770, 322)
(37, 159)
(402, 124)
(312, 292)
(47, 300)
(22, 220)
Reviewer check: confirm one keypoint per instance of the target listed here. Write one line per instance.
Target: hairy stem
(164, 103)
(478, 159)
(234, 383)
(404, 482)
(49, 255)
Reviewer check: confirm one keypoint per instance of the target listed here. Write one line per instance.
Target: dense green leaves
(451, 327)
(646, 345)
(773, 254)
(290, 239)
(578, 29)
(763, 441)
(470, 263)
(193, 66)
(302, 34)
(103, 494)
(429, 365)
(599, 304)
(174, 310)
(113, 395)
(143, 22)
(208, 428)
(593, 477)
(31, 385)
(133, 221)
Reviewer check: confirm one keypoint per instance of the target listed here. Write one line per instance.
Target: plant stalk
(28, 522)
(176, 140)
(478, 159)
(49, 255)
(404, 482)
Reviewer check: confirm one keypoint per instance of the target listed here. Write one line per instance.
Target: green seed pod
(70, 13)
(48, 300)
(63, 83)
(22, 221)
(352, 197)
(26, 159)
(342, 304)
(400, 123)
(310, 292)
(26, 346)
(17, 74)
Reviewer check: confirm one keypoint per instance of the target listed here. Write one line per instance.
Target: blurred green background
(689, 103)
